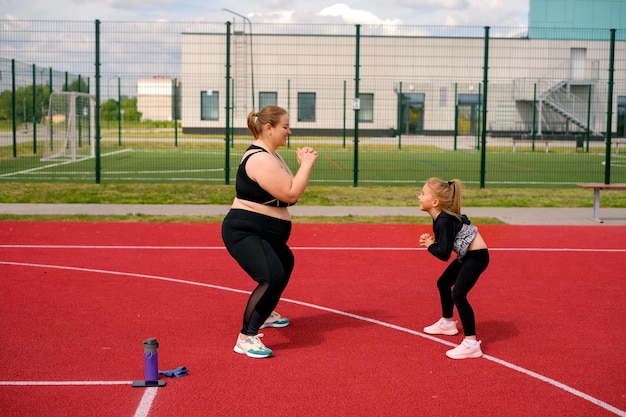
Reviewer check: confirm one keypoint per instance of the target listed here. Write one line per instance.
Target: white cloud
(433, 4)
(133, 4)
(276, 4)
(279, 17)
(61, 10)
(367, 12)
(352, 16)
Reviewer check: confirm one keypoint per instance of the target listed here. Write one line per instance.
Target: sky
(502, 13)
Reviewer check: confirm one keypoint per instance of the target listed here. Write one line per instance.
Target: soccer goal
(70, 128)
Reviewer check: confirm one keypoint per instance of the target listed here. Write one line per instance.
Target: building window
(306, 107)
(267, 98)
(209, 105)
(366, 112)
(443, 96)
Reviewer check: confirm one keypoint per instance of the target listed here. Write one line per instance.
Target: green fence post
(97, 109)
(34, 110)
(13, 107)
(587, 133)
(344, 113)
(400, 119)
(356, 111)
(79, 119)
(483, 152)
(227, 158)
(533, 130)
(175, 105)
(609, 110)
(51, 90)
(119, 112)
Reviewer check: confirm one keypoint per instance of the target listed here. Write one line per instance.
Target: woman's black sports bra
(248, 189)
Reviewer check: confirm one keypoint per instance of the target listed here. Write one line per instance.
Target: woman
(257, 227)
(454, 232)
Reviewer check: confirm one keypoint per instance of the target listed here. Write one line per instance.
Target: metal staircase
(570, 107)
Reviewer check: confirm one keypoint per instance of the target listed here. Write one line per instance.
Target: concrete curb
(509, 215)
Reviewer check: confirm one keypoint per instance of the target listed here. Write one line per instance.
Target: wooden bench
(596, 196)
(544, 142)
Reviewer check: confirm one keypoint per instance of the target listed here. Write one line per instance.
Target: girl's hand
(426, 240)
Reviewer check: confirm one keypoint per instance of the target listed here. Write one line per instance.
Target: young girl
(454, 232)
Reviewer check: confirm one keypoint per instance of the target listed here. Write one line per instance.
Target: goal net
(69, 127)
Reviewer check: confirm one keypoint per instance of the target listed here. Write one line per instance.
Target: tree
(24, 104)
(129, 106)
(78, 84)
(108, 112)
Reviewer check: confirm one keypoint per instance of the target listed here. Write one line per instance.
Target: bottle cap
(150, 345)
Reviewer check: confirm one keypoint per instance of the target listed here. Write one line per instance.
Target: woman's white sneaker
(252, 346)
(275, 320)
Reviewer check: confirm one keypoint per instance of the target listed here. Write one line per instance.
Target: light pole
(251, 63)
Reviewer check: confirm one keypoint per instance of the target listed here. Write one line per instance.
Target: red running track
(78, 299)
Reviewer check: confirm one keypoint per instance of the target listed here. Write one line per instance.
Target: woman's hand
(306, 154)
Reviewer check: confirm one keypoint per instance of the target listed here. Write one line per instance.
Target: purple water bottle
(151, 360)
(150, 366)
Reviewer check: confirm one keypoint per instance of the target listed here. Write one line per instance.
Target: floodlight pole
(251, 61)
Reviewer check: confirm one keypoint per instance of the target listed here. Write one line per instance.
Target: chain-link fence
(168, 101)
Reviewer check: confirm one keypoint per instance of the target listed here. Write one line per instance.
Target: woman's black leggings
(259, 244)
(456, 282)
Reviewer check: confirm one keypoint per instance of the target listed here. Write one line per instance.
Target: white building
(414, 84)
(550, 78)
(156, 98)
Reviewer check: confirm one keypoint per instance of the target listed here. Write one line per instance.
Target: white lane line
(309, 248)
(146, 402)
(63, 383)
(506, 364)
